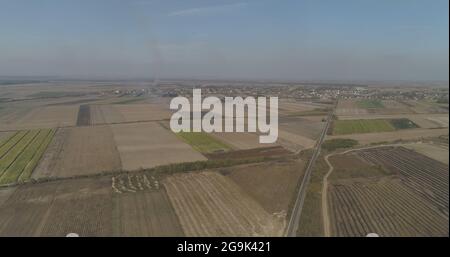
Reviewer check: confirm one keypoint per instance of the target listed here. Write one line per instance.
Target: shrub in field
(333, 144)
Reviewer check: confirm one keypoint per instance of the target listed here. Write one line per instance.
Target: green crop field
(370, 104)
(20, 154)
(203, 142)
(403, 123)
(343, 127)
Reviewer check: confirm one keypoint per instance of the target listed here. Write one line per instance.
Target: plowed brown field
(80, 151)
(209, 204)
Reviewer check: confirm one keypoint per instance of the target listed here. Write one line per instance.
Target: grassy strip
(202, 142)
(39, 151)
(344, 127)
(370, 104)
(11, 142)
(12, 155)
(311, 223)
(161, 171)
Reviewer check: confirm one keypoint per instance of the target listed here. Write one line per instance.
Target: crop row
(21, 153)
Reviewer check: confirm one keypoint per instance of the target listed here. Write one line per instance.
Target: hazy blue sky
(317, 39)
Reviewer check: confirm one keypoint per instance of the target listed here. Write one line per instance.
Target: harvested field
(5, 193)
(121, 113)
(23, 213)
(434, 151)
(42, 117)
(143, 112)
(271, 184)
(428, 177)
(425, 107)
(81, 151)
(82, 206)
(442, 121)
(349, 107)
(302, 126)
(370, 104)
(88, 207)
(142, 207)
(274, 151)
(84, 115)
(294, 142)
(296, 106)
(203, 142)
(390, 191)
(388, 116)
(209, 204)
(20, 154)
(105, 114)
(384, 206)
(146, 145)
(410, 134)
(57, 208)
(288, 108)
(348, 166)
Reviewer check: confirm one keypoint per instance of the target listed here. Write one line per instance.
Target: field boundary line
(14, 143)
(36, 152)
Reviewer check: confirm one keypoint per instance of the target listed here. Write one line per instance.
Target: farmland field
(41, 117)
(209, 204)
(294, 142)
(80, 151)
(57, 208)
(84, 115)
(428, 176)
(105, 114)
(434, 151)
(146, 145)
(88, 207)
(240, 141)
(407, 134)
(391, 191)
(343, 127)
(118, 113)
(302, 126)
(383, 206)
(20, 154)
(442, 121)
(142, 207)
(370, 104)
(349, 107)
(258, 181)
(203, 142)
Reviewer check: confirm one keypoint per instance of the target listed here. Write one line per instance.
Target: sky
(223, 39)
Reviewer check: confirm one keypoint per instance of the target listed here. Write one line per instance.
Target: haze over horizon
(266, 39)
